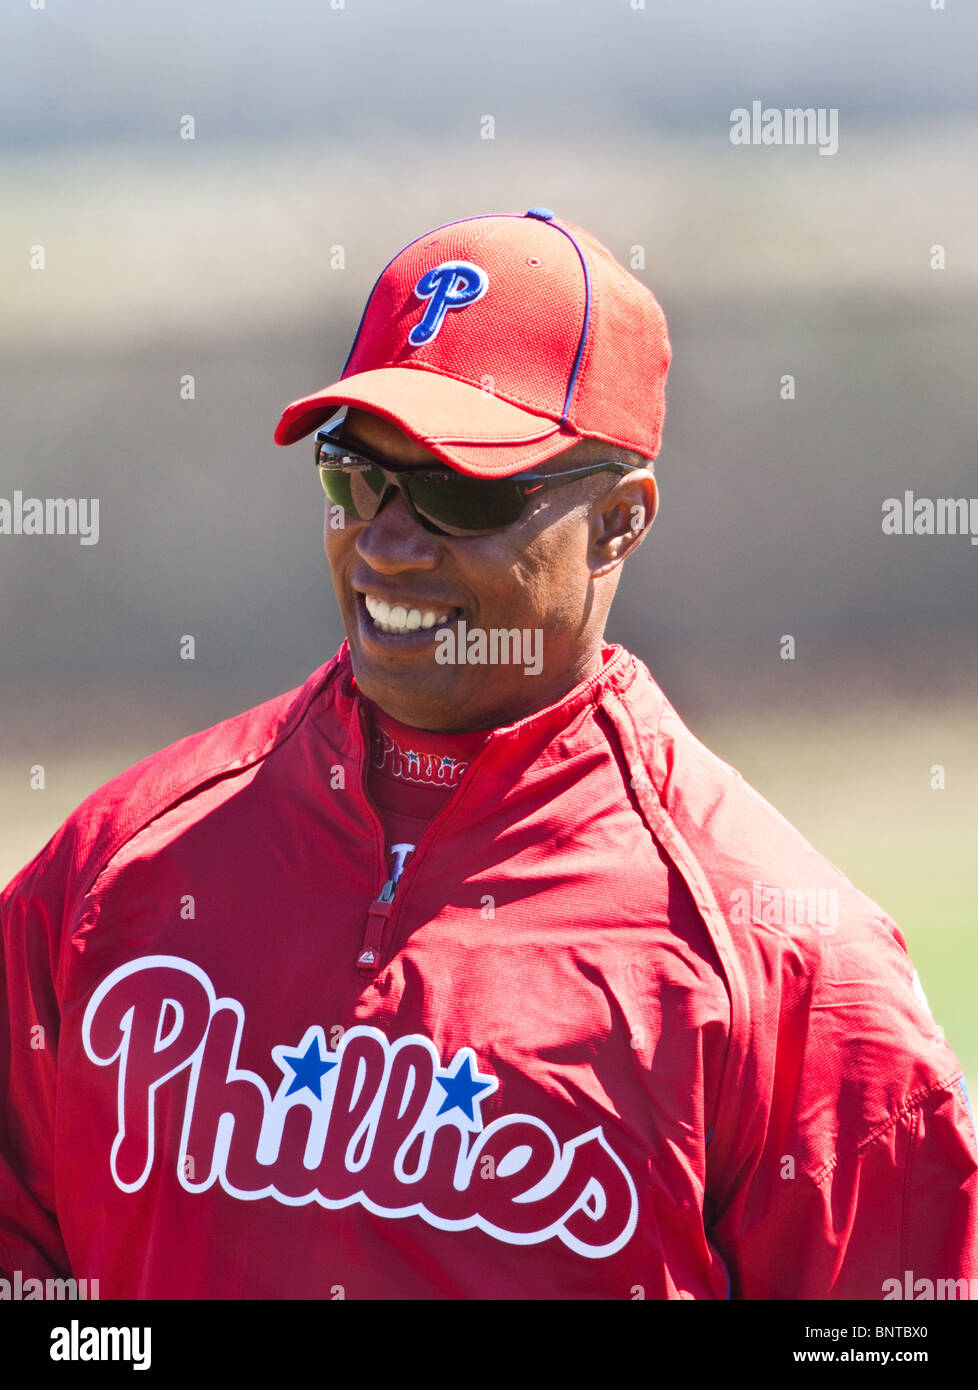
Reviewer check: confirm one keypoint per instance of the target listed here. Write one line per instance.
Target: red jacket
(545, 1088)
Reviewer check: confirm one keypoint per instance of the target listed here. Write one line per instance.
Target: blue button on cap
(544, 214)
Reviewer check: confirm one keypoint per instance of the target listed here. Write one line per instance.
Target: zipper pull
(373, 933)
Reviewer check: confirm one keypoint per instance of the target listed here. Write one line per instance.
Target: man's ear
(619, 520)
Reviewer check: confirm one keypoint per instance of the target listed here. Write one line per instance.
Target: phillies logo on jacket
(384, 1124)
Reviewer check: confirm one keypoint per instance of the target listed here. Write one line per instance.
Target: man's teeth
(401, 619)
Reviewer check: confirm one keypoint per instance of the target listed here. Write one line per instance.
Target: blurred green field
(857, 783)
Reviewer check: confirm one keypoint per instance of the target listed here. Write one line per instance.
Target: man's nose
(394, 540)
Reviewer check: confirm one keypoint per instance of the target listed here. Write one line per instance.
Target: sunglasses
(440, 499)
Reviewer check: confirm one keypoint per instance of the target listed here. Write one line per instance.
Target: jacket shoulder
(823, 991)
(126, 804)
(725, 832)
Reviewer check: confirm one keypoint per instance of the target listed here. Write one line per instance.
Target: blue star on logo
(461, 1087)
(309, 1070)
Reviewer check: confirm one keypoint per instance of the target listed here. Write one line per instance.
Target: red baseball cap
(499, 341)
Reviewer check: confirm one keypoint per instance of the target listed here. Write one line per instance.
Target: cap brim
(471, 430)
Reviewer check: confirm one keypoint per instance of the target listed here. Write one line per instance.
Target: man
(464, 971)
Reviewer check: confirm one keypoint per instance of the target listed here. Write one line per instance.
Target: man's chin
(413, 689)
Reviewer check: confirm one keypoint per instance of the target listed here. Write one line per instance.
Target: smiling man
(551, 573)
(465, 971)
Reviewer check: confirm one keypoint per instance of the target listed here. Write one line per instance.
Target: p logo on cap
(451, 285)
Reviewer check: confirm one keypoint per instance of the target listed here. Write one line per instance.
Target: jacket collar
(618, 672)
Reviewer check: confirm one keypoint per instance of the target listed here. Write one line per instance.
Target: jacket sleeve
(895, 1218)
(910, 1200)
(30, 1240)
(842, 1156)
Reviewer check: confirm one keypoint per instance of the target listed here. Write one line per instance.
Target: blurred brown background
(360, 127)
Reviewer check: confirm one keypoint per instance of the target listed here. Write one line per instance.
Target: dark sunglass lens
(366, 488)
(336, 485)
(465, 504)
(355, 490)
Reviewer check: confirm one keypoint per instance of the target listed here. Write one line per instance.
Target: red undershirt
(410, 776)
